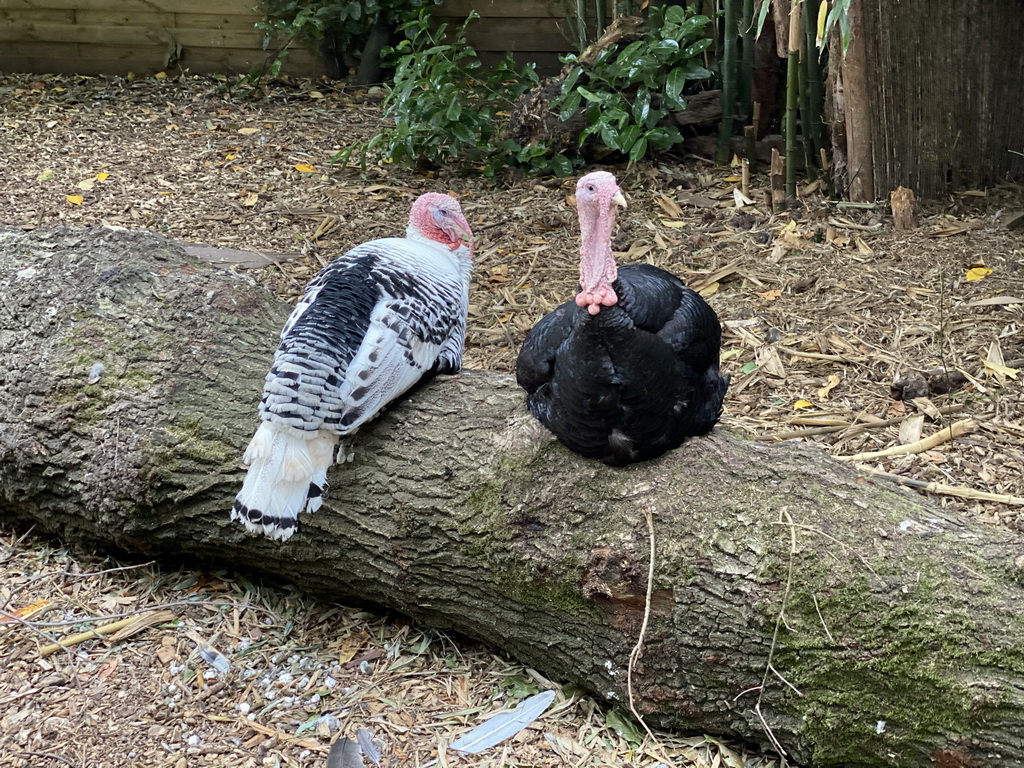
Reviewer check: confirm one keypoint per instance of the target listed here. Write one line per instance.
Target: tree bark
(858, 106)
(892, 628)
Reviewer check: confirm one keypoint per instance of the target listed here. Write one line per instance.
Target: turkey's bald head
(439, 218)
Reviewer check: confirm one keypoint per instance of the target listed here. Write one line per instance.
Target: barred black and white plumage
(369, 326)
(629, 369)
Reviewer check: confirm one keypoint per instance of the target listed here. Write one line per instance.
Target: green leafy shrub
(445, 106)
(629, 92)
(346, 22)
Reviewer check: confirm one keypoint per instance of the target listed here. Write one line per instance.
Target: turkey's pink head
(597, 197)
(439, 218)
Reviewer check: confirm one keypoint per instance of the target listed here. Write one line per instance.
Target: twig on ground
(51, 757)
(855, 429)
(964, 427)
(951, 490)
(68, 574)
(81, 637)
(172, 604)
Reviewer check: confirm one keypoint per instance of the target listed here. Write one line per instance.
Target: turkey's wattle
(368, 327)
(629, 369)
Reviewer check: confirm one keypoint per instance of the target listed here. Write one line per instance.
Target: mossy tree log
(898, 625)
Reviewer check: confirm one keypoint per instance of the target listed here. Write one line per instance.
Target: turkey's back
(633, 381)
(368, 327)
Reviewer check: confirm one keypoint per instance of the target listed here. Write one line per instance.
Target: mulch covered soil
(838, 330)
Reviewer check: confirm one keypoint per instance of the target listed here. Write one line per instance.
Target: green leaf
(628, 137)
(591, 96)
(675, 14)
(664, 47)
(569, 107)
(674, 87)
(621, 724)
(610, 136)
(632, 52)
(762, 15)
(454, 109)
(461, 132)
(695, 50)
(561, 166)
(641, 105)
(751, 366)
(638, 150)
(570, 82)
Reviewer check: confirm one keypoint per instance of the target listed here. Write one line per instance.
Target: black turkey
(629, 369)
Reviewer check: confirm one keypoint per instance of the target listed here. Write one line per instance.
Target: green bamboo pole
(805, 111)
(814, 80)
(729, 65)
(747, 64)
(581, 22)
(600, 16)
(792, 87)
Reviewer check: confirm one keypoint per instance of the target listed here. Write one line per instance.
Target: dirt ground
(838, 330)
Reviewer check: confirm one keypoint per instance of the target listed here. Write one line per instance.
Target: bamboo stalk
(81, 637)
(925, 444)
(777, 180)
(729, 65)
(951, 490)
(750, 149)
(581, 24)
(792, 86)
(600, 17)
(747, 61)
(810, 170)
(750, 134)
(853, 429)
(815, 87)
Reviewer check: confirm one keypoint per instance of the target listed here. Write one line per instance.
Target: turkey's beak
(619, 200)
(465, 232)
(460, 233)
(456, 230)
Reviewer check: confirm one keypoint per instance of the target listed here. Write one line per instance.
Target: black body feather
(633, 381)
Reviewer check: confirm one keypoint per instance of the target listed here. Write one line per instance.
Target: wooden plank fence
(146, 36)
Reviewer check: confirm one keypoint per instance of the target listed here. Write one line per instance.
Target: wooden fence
(146, 36)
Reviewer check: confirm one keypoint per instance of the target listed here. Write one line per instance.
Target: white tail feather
(283, 461)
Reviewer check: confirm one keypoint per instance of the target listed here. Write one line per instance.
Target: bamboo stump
(864, 624)
(904, 209)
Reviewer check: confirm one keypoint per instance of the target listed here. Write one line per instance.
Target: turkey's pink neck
(597, 264)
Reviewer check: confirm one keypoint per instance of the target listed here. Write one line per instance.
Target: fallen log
(795, 602)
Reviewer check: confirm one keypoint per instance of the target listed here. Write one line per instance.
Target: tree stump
(863, 624)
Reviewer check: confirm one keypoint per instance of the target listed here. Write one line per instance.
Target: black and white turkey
(629, 369)
(369, 326)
